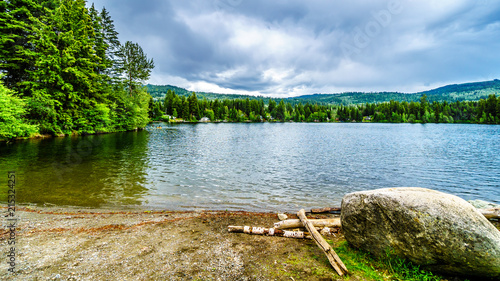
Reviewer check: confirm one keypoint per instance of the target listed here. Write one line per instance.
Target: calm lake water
(265, 167)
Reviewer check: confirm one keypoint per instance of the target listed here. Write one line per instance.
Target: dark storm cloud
(300, 47)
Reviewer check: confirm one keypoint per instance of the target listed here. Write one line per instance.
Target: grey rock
(439, 231)
(282, 217)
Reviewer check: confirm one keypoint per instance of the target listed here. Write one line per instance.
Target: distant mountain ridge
(450, 93)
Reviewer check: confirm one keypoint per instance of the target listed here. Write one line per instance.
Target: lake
(253, 167)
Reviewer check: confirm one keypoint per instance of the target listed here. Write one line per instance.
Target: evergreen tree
(17, 19)
(61, 57)
(63, 79)
(185, 110)
(133, 65)
(281, 111)
(168, 102)
(194, 110)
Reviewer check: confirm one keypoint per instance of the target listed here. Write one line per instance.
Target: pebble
(282, 217)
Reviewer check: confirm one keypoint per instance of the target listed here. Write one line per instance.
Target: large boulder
(442, 232)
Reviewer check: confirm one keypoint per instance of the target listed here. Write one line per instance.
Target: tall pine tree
(134, 65)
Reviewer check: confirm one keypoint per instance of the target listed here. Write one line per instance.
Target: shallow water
(268, 167)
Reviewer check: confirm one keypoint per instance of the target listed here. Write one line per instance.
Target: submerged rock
(439, 231)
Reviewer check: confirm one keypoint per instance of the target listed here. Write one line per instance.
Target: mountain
(466, 91)
(450, 93)
(160, 91)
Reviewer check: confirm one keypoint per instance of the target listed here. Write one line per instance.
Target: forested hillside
(451, 93)
(160, 91)
(356, 98)
(466, 91)
(65, 72)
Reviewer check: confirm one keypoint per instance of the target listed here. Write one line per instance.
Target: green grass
(388, 267)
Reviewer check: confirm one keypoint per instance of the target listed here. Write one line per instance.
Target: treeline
(484, 111)
(235, 110)
(64, 71)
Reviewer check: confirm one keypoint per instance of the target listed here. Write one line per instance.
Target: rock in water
(442, 232)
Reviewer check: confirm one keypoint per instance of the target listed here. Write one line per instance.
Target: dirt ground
(72, 244)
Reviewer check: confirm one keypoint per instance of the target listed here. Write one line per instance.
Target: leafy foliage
(65, 60)
(12, 122)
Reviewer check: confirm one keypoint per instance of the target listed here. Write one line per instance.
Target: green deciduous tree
(12, 122)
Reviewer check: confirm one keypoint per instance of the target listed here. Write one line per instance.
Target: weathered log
(334, 259)
(326, 210)
(493, 213)
(294, 223)
(268, 231)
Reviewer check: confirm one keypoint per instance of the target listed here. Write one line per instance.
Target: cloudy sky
(288, 48)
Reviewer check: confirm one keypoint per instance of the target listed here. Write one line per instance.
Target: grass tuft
(389, 267)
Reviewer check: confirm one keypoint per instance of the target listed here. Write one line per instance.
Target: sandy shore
(72, 244)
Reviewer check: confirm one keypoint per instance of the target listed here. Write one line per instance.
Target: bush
(12, 110)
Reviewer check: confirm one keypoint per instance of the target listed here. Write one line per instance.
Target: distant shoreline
(48, 136)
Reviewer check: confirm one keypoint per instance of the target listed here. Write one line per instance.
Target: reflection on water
(89, 171)
(265, 166)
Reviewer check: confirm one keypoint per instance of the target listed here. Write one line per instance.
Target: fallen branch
(334, 259)
(316, 223)
(493, 213)
(268, 231)
(326, 210)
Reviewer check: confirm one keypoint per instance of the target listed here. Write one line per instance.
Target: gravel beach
(73, 244)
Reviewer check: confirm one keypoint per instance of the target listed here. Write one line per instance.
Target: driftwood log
(493, 213)
(268, 231)
(334, 259)
(319, 223)
(326, 210)
(296, 233)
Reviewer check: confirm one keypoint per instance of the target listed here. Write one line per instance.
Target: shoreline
(49, 136)
(102, 244)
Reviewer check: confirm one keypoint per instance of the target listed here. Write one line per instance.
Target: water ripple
(281, 166)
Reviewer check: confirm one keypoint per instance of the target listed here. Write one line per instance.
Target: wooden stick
(325, 210)
(268, 231)
(335, 222)
(334, 259)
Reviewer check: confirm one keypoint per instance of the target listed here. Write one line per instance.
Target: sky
(295, 47)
